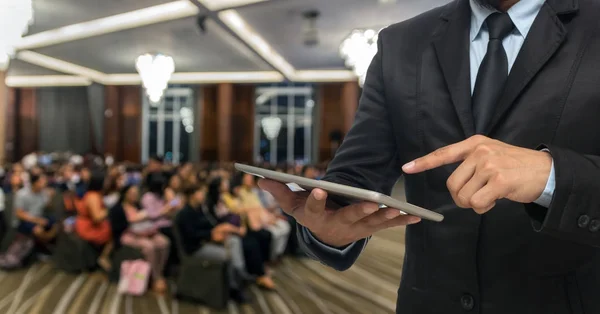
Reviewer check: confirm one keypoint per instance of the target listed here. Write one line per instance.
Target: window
(169, 126)
(290, 110)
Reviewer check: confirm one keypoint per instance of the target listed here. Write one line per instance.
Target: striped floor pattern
(304, 286)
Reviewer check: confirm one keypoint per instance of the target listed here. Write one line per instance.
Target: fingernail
(413, 220)
(408, 166)
(392, 214)
(318, 195)
(369, 209)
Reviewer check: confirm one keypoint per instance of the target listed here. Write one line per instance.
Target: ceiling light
(16, 16)
(46, 80)
(60, 65)
(324, 76)
(202, 78)
(215, 5)
(155, 71)
(235, 22)
(271, 126)
(147, 16)
(358, 50)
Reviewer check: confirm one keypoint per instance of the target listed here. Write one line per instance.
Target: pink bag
(134, 277)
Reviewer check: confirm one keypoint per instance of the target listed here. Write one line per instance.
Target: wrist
(544, 172)
(339, 244)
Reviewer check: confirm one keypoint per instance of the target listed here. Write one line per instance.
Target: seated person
(91, 223)
(204, 236)
(141, 233)
(155, 203)
(160, 206)
(261, 218)
(220, 198)
(29, 204)
(173, 192)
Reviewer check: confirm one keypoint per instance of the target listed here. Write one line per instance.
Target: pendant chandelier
(358, 50)
(15, 18)
(155, 71)
(271, 126)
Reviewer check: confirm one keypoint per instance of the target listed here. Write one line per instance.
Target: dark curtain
(96, 108)
(64, 119)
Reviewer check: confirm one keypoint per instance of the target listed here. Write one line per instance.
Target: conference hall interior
(113, 106)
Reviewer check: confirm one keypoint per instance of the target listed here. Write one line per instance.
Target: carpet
(304, 287)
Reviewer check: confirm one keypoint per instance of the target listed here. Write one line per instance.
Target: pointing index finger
(441, 157)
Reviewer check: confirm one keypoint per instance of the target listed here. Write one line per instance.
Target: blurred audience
(221, 214)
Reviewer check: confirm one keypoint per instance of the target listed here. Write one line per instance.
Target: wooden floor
(304, 286)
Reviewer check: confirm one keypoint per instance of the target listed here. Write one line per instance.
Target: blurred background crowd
(121, 121)
(164, 211)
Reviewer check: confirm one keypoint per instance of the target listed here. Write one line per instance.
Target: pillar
(349, 104)
(3, 108)
(224, 115)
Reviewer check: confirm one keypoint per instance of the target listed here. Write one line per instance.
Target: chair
(199, 279)
(73, 254)
(9, 217)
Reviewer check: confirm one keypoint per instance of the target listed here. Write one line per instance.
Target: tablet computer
(342, 190)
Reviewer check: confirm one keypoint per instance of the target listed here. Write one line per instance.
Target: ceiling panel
(281, 24)
(216, 50)
(18, 68)
(50, 14)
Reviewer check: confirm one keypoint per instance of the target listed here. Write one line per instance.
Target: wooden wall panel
(225, 105)
(27, 128)
(207, 109)
(349, 104)
(331, 117)
(131, 111)
(338, 105)
(227, 122)
(10, 123)
(3, 108)
(123, 122)
(242, 141)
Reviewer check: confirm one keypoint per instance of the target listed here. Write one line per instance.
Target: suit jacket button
(594, 225)
(467, 302)
(583, 221)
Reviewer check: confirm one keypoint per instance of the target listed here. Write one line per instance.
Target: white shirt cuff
(310, 238)
(546, 198)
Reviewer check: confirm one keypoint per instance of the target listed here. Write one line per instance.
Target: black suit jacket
(517, 258)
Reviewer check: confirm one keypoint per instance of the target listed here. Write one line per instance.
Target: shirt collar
(523, 13)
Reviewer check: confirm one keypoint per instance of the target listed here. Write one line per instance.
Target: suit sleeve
(574, 212)
(366, 159)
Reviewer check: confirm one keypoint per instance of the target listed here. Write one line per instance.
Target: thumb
(315, 203)
(282, 194)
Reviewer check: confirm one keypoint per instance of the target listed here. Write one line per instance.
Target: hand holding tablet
(345, 225)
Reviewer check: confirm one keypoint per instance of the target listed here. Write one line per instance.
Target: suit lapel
(452, 50)
(546, 35)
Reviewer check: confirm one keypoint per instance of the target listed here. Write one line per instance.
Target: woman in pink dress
(160, 209)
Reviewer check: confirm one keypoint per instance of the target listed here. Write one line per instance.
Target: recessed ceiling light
(60, 65)
(151, 15)
(235, 22)
(216, 5)
(46, 80)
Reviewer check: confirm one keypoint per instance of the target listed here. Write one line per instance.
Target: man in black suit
(490, 105)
